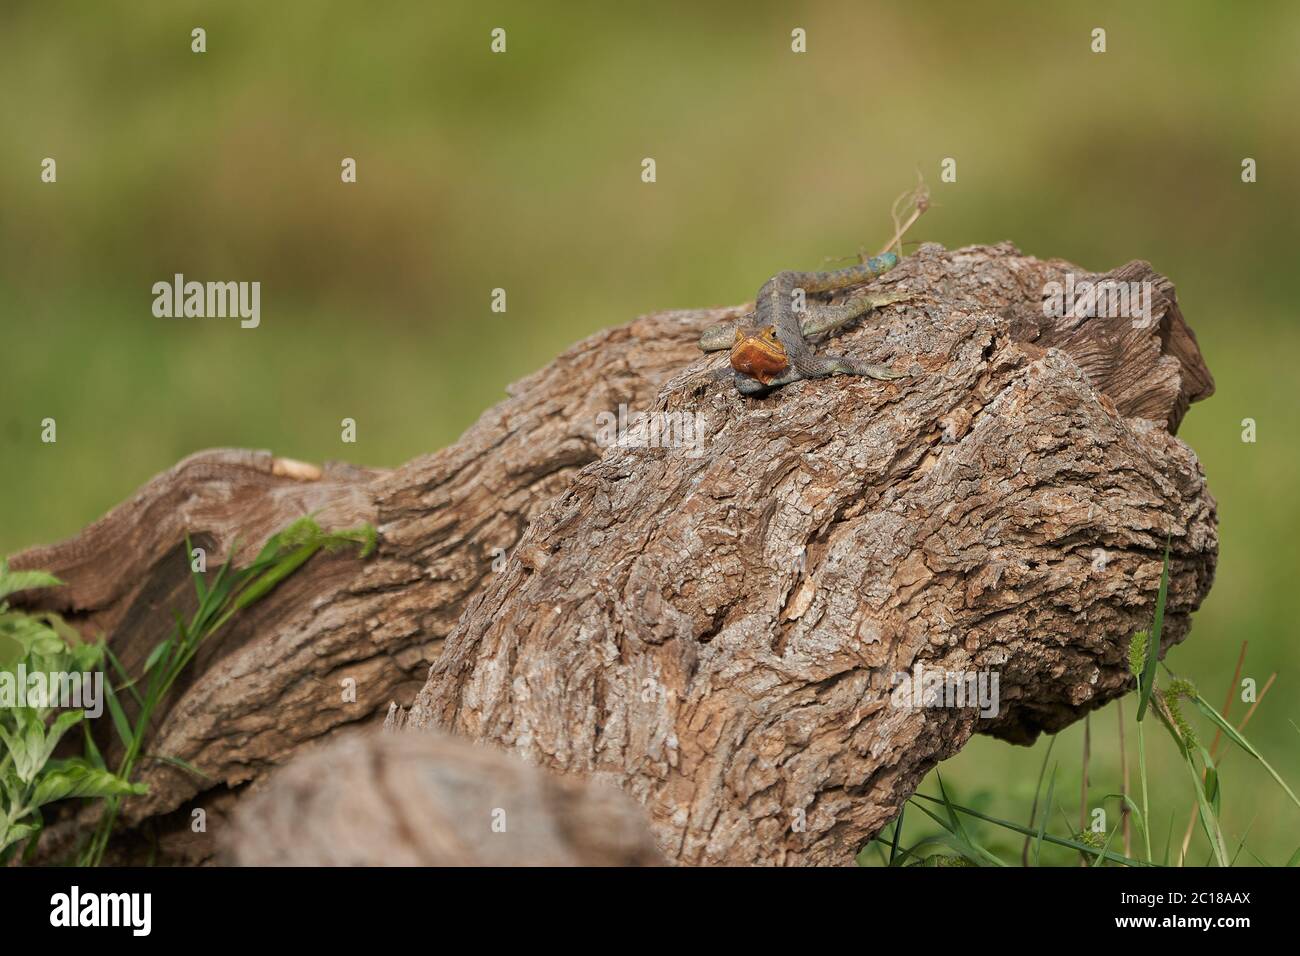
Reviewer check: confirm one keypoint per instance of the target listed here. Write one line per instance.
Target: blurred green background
(523, 171)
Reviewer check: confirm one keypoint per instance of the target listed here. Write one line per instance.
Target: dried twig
(919, 198)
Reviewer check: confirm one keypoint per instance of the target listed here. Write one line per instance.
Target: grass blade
(898, 833)
(1042, 828)
(1047, 837)
(1153, 643)
(120, 723)
(1235, 736)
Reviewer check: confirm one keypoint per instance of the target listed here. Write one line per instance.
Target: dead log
(720, 634)
(270, 685)
(713, 629)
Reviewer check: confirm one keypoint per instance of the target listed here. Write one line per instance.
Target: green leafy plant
(44, 642)
(30, 777)
(232, 590)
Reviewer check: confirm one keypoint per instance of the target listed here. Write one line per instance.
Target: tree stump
(715, 629)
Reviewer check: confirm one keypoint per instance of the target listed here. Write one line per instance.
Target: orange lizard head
(759, 355)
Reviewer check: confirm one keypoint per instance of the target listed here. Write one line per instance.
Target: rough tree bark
(713, 632)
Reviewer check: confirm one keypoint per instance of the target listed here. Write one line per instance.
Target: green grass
(1093, 843)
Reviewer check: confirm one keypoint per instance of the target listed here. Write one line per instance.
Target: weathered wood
(271, 683)
(713, 632)
(719, 634)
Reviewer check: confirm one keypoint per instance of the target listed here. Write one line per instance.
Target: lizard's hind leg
(816, 366)
(825, 317)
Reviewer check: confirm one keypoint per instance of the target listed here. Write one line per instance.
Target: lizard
(770, 348)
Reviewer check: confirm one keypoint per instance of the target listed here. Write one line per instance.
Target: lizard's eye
(770, 332)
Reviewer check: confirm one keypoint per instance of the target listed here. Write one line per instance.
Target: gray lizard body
(777, 351)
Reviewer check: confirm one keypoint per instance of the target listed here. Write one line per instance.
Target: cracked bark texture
(718, 633)
(713, 631)
(270, 685)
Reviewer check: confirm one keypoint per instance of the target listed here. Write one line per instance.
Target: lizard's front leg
(720, 337)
